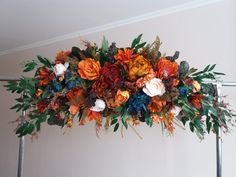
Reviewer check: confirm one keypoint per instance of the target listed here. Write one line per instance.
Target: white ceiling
(25, 22)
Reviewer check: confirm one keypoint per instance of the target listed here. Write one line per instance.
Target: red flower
(166, 68)
(196, 100)
(188, 81)
(42, 106)
(45, 76)
(111, 79)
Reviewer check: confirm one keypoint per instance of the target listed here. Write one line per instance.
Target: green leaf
(114, 121)
(30, 128)
(105, 44)
(198, 73)
(124, 123)
(103, 58)
(192, 70)
(191, 125)
(212, 67)
(20, 107)
(21, 128)
(16, 106)
(140, 46)
(45, 61)
(80, 114)
(30, 66)
(176, 55)
(136, 41)
(206, 68)
(217, 73)
(12, 86)
(208, 123)
(216, 127)
(116, 127)
(183, 68)
(184, 120)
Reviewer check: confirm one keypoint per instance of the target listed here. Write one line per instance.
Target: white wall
(202, 35)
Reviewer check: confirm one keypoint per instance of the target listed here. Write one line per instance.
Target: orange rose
(137, 67)
(89, 69)
(124, 56)
(166, 68)
(157, 104)
(120, 98)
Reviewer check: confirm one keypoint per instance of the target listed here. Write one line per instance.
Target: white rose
(60, 69)
(154, 87)
(175, 110)
(99, 105)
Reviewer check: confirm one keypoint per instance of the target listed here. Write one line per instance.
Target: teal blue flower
(137, 104)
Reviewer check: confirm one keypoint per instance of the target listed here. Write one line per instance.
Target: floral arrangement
(116, 87)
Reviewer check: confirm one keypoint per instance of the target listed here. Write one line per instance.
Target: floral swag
(117, 87)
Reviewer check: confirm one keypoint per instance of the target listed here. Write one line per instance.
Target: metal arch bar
(9, 79)
(21, 150)
(228, 84)
(219, 138)
(219, 85)
(21, 139)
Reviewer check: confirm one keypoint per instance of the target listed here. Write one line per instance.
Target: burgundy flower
(110, 80)
(42, 106)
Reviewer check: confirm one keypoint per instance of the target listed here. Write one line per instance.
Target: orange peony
(120, 98)
(76, 100)
(157, 104)
(89, 69)
(166, 68)
(124, 56)
(137, 67)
